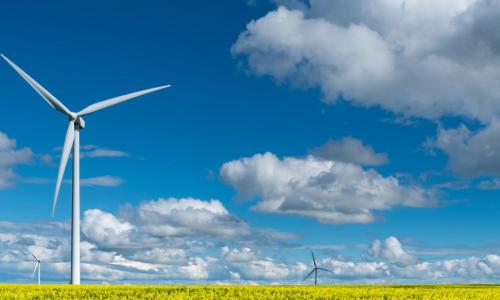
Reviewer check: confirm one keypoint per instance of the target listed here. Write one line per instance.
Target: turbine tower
(315, 270)
(72, 140)
(38, 264)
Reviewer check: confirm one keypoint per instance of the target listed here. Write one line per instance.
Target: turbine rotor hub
(80, 122)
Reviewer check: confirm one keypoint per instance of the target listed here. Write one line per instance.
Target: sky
(364, 131)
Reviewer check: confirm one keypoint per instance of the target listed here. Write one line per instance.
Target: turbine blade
(314, 260)
(309, 274)
(110, 102)
(68, 144)
(34, 256)
(36, 266)
(323, 269)
(51, 100)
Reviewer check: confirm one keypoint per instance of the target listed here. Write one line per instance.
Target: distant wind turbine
(38, 264)
(315, 270)
(72, 139)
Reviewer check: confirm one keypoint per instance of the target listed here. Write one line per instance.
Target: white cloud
(392, 250)
(7, 178)
(350, 150)
(95, 151)
(186, 217)
(180, 223)
(144, 262)
(251, 265)
(493, 184)
(287, 46)
(6, 143)
(10, 157)
(137, 265)
(45, 158)
(471, 153)
(106, 180)
(196, 269)
(129, 248)
(236, 255)
(353, 270)
(105, 229)
(453, 270)
(171, 256)
(419, 58)
(268, 269)
(329, 191)
(90, 253)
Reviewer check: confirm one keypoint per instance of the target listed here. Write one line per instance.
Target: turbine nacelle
(80, 123)
(77, 120)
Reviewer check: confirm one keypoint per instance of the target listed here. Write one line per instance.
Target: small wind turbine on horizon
(72, 140)
(315, 270)
(38, 264)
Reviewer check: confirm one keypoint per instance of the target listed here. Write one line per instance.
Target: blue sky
(368, 135)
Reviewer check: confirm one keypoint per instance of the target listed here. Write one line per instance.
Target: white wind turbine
(38, 264)
(315, 270)
(72, 140)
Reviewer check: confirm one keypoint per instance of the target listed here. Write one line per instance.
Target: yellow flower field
(459, 292)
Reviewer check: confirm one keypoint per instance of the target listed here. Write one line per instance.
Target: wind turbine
(38, 264)
(315, 270)
(72, 140)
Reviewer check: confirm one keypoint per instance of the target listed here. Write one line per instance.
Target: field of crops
(461, 292)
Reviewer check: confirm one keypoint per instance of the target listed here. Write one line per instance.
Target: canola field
(459, 292)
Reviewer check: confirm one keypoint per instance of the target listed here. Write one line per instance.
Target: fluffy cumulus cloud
(419, 58)
(329, 191)
(113, 253)
(162, 240)
(287, 45)
(105, 229)
(471, 153)
(352, 270)
(184, 223)
(6, 143)
(392, 250)
(484, 269)
(350, 150)
(10, 157)
(391, 262)
(186, 217)
(248, 263)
